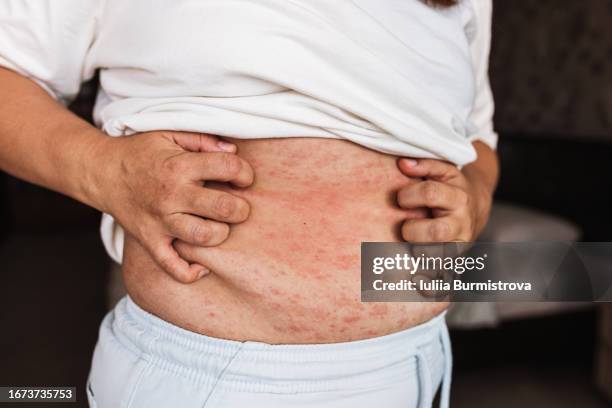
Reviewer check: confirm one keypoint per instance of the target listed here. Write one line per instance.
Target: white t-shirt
(396, 76)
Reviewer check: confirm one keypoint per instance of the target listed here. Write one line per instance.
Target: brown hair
(440, 3)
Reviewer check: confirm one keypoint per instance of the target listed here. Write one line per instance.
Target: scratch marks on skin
(351, 319)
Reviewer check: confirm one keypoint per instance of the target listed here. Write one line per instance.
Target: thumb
(170, 261)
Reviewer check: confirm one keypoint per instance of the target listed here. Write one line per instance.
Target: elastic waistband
(319, 366)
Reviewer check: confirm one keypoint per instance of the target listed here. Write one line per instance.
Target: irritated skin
(291, 272)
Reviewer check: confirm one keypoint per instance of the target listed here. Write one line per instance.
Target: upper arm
(47, 41)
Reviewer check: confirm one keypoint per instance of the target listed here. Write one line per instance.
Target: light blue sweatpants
(141, 361)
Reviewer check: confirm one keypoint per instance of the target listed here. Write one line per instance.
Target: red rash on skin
(291, 272)
(378, 310)
(351, 319)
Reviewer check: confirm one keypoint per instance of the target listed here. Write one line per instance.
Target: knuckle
(231, 165)
(174, 166)
(431, 191)
(440, 231)
(167, 197)
(224, 206)
(200, 234)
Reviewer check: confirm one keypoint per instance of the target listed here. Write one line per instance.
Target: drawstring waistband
(448, 368)
(424, 381)
(425, 385)
(420, 355)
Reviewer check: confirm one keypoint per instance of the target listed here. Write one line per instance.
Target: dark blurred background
(551, 71)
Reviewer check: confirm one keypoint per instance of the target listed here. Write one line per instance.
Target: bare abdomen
(291, 272)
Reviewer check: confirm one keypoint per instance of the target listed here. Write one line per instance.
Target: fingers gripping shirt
(395, 76)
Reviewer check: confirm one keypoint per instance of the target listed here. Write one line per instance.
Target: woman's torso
(291, 272)
(390, 76)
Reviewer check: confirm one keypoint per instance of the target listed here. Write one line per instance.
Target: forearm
(483, 175)
(44, 143)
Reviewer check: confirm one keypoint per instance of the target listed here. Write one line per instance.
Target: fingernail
(226, 147)
(410, 162)
(203, 273)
